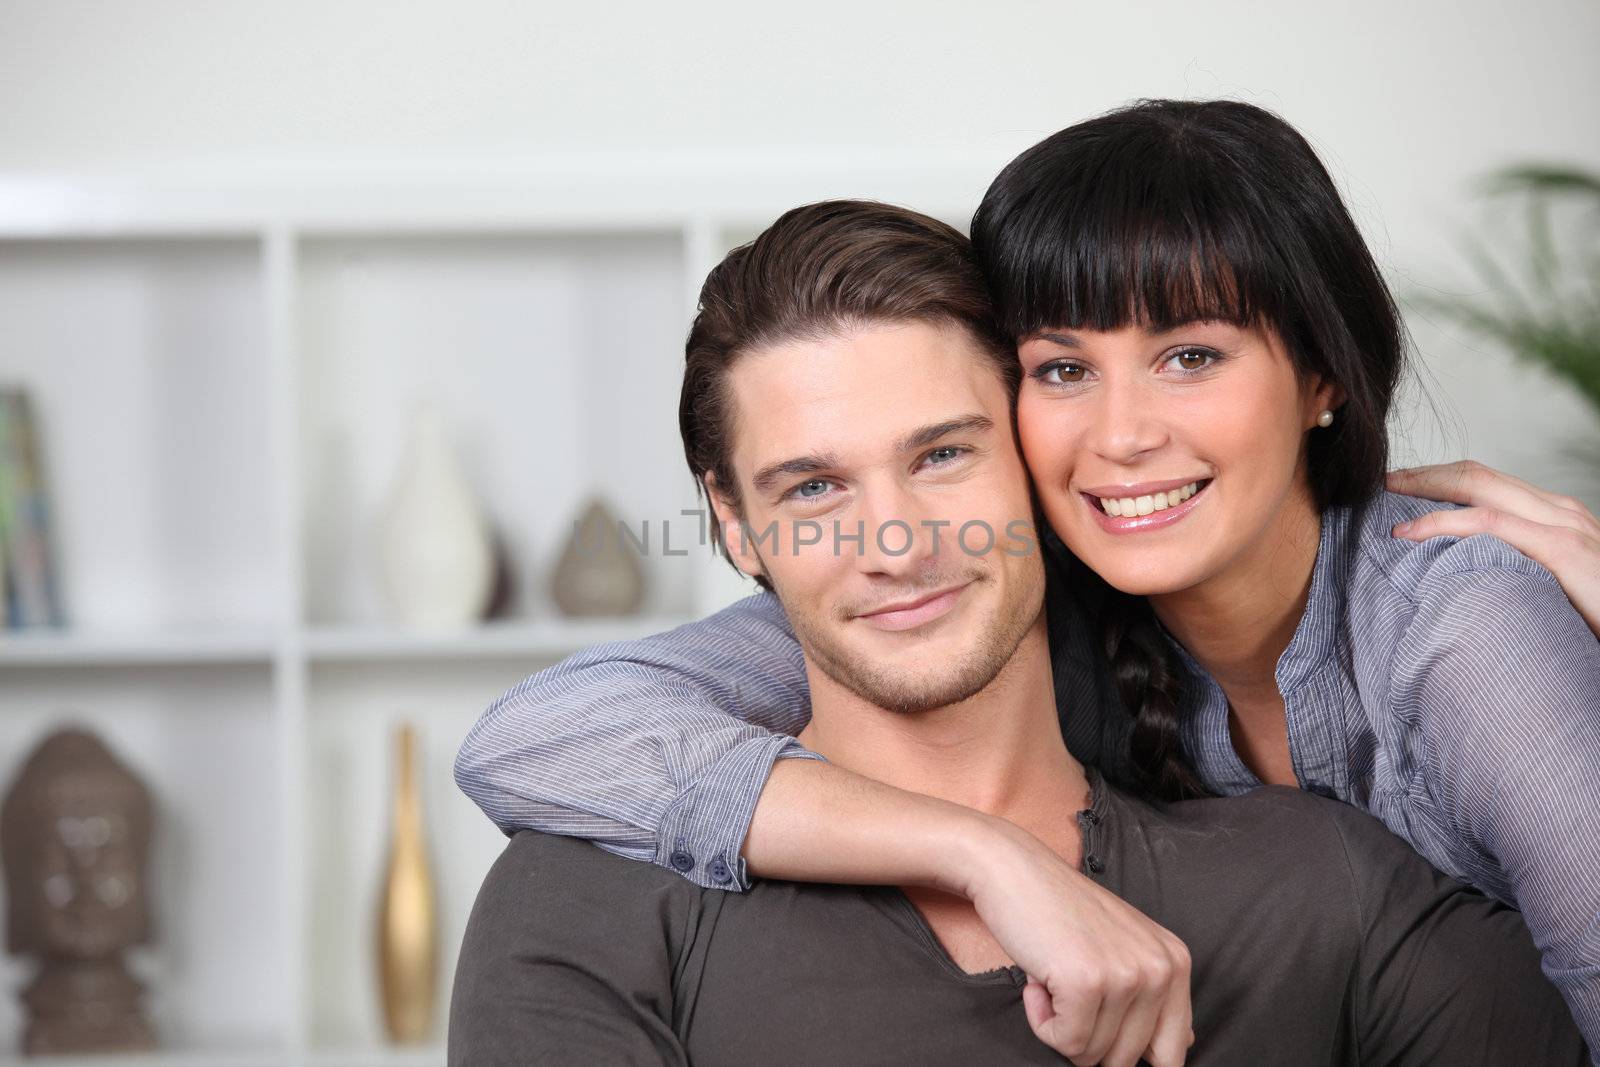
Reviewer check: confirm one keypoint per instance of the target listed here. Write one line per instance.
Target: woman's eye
(1193, 359)
(1060, 373)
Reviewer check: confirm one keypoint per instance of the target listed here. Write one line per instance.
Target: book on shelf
(31, 589)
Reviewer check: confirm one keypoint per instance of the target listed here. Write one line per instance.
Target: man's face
(899, 433)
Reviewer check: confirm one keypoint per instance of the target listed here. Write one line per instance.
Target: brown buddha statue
(74, 840)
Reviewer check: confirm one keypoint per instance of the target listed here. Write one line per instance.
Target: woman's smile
(1143, 507)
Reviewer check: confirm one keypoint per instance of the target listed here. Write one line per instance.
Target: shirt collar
(1204, 721)
(1312, 645)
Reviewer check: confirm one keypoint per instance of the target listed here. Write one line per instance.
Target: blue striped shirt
(1449, 688)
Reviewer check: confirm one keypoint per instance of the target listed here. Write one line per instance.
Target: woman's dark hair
(1172, 211)
(819, 270)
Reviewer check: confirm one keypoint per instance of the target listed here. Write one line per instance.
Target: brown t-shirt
(1317, 937)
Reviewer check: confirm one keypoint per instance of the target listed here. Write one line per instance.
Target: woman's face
(1165, 460)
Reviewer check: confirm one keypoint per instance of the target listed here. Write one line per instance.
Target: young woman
(1208, 355)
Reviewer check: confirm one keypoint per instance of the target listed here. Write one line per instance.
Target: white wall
(1406, 101)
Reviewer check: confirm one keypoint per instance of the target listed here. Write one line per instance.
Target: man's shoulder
(569, 957)
(1325, 838)
(539, 873)
(533, 852)
(1277, 843)
(1262, 808)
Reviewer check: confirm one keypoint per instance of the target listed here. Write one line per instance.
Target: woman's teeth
(1130, 506)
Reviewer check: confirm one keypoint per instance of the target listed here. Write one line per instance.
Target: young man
(897, 538)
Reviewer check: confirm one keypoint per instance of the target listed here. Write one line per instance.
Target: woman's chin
(1142, 564)
(1144, 576)
(1146, 585)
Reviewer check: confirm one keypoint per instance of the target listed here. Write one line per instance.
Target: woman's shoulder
(1416, 570)
(1427, 622)
(1464, 626)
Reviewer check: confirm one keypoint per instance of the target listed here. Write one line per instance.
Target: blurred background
(328, 329)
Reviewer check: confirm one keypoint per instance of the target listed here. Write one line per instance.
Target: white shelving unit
(223, 374)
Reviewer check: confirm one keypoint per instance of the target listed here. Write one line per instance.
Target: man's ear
(731, 526)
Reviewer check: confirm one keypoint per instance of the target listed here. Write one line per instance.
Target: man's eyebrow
(768, 477)
(927, 435)
(772, 473)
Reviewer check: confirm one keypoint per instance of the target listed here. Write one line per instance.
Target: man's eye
(944, 455)
(815, 487)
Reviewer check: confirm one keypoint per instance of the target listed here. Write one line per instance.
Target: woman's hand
(1106, 984)
(1557, 532)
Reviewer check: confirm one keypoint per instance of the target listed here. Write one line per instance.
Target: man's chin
(913, 678)
(912, 654)
(914, 695)
(943, 660)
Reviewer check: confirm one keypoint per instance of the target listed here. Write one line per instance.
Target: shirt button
(1095, 865)
(681, 861)
(1092, 817)
(1320, 788)
(719, 872)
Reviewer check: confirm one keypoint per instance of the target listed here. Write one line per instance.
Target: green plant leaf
(1549, 314)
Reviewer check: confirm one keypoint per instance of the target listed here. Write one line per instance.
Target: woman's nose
(1127, 422)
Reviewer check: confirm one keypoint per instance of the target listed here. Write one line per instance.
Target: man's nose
(899, 533)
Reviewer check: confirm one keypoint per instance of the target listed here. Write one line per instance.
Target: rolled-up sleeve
(655, 749)
(1505, 677)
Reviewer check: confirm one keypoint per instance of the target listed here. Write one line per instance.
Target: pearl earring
(1325, 419)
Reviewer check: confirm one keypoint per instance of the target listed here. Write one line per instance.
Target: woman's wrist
(817, 822)
(976, 851)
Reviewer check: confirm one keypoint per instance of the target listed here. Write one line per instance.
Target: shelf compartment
(203, 741)
(352, 712)
(147, 366)
(556, 361)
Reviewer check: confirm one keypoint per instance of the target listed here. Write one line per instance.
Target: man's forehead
(863, 391)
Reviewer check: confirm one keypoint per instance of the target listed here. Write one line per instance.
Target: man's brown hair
(819, 271)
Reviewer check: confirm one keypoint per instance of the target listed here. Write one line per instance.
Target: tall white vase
(434, 543)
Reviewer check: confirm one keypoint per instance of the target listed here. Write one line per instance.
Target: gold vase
(408, 944)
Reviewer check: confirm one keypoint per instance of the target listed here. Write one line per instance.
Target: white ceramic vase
(434, 543)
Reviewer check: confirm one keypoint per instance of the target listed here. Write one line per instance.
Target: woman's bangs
(1092, 267)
